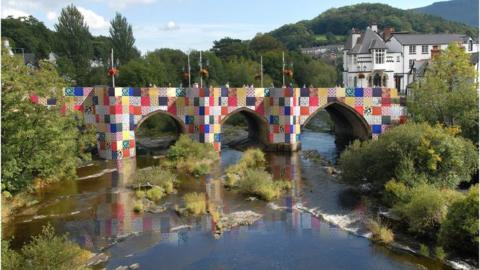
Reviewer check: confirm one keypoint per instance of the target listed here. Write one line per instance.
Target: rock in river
(237, 219)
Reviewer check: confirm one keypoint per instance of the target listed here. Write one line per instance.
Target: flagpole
(201, 77)
(113, 75)
(261, 71)
(189, 77)
(283, 68)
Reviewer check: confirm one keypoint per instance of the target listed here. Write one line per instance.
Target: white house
(389, 59)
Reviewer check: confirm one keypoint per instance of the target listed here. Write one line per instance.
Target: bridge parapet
(116, 112)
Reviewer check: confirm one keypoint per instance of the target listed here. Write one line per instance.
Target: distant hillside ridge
(463, 11)
(337, 22)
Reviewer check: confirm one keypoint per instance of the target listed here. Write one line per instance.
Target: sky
(186, 24)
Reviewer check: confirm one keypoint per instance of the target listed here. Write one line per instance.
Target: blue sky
(186, 24)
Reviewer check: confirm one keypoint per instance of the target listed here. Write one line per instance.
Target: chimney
(374, 27)
(387, 32)
(355, 36)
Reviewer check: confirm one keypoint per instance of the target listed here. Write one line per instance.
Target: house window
(435, 47)
(470, 45)
(379, 56)
(424, 49)
(398, 58)
(354, 59)
(412, 49)
(355, 81)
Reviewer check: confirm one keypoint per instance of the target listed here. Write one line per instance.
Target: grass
(156, 176)
(440, 253)
(45, 251)
(424, 250)
(195, 203)
(191, 157)
(138, 206)
(250, 177)
(155, 194)
(380, 232)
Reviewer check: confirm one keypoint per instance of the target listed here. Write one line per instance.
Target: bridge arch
(258, 126)
(348, 122)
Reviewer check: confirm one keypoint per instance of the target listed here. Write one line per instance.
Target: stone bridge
(275, 115)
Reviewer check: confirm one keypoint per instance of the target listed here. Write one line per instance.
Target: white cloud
(121, 4)
(51, 15)
(92, 19)
(13, 12)
(170, 26)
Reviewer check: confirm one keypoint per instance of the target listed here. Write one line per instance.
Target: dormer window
(379, 56)
(470, 45)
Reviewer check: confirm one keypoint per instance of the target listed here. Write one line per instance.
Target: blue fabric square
(163, 101)
(273, 119)
(113, 128)
(304, 92)
(51, 101)
(188, 119)
(201, 110)
(111, 91)
(125, 91)
(137, 92)
(224, 92)
(217, 137)
(287, 138)
(78, 91)
(251, 101)
(207, 128)
(207, 92)
(201, 137)
(376, 129)
(359, 92)
(377, 92)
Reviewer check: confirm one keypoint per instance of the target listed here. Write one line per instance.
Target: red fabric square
(386, 101)
(313, 101)
(172, 109)
(304, 110)
(224, 111)
(276, 129)
(34, 99)
(145, 101)
(132, 143)
(126, 153)
(232, 101)
(377, 110)
(359, 109)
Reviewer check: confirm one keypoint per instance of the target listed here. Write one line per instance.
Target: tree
(262, 43)
(122, 38)
(38, 143)
(460, 230)
(29, 34)
(74, 45)
(447, 94)
(230, 49)
(411, 153)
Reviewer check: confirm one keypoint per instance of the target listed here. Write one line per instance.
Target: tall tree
(447, 94)
(74, 43)
(122, 38)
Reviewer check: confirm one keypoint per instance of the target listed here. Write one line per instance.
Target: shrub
(440, 253)
(411, 153)
(395, 192)
(155, 193)
(460, 230)
(140, 194)
(138, 206)
(425, 208)
(424, 250)
(191, 156)
(45, 251)
(157, 176)
(253, 158)
(380, 233)
(259, 183)
(195, 203)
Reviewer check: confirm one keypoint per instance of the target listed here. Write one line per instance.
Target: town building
(374, 58)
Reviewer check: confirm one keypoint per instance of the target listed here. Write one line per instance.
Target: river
(96, 211)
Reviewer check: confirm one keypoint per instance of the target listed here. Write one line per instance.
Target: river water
(96, 211)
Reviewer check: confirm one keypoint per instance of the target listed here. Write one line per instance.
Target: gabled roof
(367, 41)
(428, 39)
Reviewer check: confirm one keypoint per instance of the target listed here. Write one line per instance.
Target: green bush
(253, 158)
(195, 203)
(139, 194)
(259, 183)
(45, 251)
(138, 206)
(425, 207)
(440, 253)
(395, 192)
(157, 176)
(380, 232)
(424, 250)
(191, 156)
(459, 231)
(411, 153)
(155, 193)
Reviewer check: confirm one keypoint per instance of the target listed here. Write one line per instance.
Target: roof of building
(428, 39)
(368, 40)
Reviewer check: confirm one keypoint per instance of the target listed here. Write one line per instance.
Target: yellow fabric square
(322, 92)
(241, 93)
(217, 128)
(216, 92)
(367, 102)
(171, 92)
(259, 92)
(340, 92)
(393, 92)
(125, 100)
(153, 92)
(126, 135)
(350, 101)
(118, 91)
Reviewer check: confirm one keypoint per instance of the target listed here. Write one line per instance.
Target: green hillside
(464, 11)
(339, 21)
